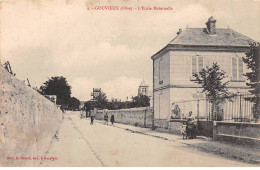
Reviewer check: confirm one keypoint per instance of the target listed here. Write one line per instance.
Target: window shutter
(194, 64)
(234, 67)
(240, 68)
(200, 64)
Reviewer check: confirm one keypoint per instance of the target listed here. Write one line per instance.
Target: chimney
(211, 26)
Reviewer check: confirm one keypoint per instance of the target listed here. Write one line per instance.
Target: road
(80, 144)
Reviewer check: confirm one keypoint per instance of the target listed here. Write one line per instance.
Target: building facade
(190, 51)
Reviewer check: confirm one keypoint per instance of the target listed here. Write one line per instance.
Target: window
(237, 68)
(143, 90)
(197, 64)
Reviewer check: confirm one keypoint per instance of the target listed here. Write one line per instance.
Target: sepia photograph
(129, 83)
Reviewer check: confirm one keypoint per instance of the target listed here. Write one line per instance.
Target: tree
(252, 60)
(57, 86)
(140, 101)
(73, 104)
(211, 81)
(89, 105)
(116, 104)
(101, 100)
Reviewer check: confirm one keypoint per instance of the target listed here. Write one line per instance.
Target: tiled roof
(200, 36)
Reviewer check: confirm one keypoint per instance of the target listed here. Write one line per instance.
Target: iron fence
(235, 108)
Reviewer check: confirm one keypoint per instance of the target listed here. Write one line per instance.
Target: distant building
(190, 51)
(144, 90)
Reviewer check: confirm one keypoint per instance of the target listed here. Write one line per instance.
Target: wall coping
(129, 109)
(235, 136)
(236, 123)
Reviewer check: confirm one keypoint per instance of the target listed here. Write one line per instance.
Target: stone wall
(237, 132)
(28, 122)
(135, 116)
(166, 126)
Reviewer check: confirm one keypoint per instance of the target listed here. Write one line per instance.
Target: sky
(107, 49)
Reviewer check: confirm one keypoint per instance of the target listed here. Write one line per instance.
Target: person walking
(106, 119)
(92, 117)
(112, 119)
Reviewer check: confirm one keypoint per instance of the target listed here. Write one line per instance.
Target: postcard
(129, 83)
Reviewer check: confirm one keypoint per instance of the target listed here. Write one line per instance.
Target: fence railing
(235, 108)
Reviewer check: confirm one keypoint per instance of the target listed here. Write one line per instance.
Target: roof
(143, 83)
(200, 36)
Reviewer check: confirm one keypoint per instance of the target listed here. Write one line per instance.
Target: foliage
(101, 100)
(211, 81)
(73, 104)
(116, 104)
(252, 60)
(140, 101)
(57, 86)
(89, 105)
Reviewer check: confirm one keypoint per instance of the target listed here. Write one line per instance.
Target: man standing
(92, 119)
(106, 119)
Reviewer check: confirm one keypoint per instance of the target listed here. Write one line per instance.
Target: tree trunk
(213, 110)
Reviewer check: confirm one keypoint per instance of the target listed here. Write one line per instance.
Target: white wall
(162, 104)
(141, 116)
(181, 65)
(163, 63)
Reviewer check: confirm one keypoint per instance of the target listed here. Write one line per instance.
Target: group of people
(190, 130)
(112, 119)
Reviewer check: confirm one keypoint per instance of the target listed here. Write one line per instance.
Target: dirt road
(80, 144)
